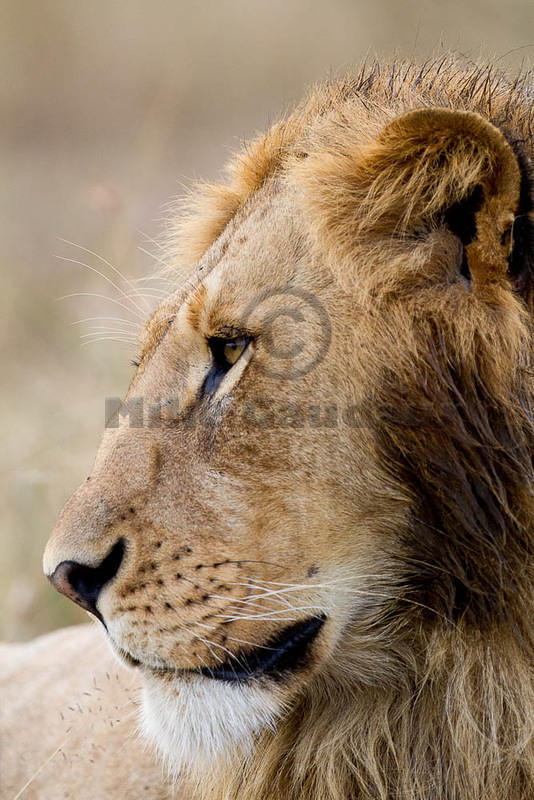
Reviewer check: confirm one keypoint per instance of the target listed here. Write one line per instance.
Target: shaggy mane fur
(331, 117)
(450, 405)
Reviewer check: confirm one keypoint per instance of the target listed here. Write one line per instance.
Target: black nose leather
(83, 584)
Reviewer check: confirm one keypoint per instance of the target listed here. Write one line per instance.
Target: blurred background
(109, 109)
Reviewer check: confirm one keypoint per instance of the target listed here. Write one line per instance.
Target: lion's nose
(82, 583)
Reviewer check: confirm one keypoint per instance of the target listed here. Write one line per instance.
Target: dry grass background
(108, 109)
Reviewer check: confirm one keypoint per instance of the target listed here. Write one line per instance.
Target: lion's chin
(198, 724)
(201, 719)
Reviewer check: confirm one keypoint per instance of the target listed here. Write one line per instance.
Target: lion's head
(310, 524)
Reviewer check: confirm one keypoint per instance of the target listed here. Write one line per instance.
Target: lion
(309, 531)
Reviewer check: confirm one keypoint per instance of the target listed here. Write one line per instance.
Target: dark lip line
(282, 653)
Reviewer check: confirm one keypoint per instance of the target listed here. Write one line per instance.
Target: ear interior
(461, 219)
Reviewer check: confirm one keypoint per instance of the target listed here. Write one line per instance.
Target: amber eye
(225, 352)
(232, 349)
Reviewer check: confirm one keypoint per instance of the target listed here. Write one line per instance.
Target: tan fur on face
(400, 201)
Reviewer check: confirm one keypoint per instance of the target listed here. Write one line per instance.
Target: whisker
(152, 294)
(157, 277)
(295, 585)
(407, 600)
(141, 317)
(279, 596)
(366, 593)
(134, 325)
(289, 588)
(237, 600)
(102, 260)
(234, 659)
(153, 256)
(274, 615)
(101, 330)
(150, 239)
(106, 278)
(127, 336)
(106, 327)
(253, 618)
(108, 339)
(252, 561)
(208, 645)
(279, 599)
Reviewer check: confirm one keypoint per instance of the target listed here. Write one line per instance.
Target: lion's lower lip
(129, 659)
(282, 653)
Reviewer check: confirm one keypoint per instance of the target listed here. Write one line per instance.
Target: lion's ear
(435, 166)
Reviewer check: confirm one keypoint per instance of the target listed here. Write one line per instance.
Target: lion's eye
(225, 352)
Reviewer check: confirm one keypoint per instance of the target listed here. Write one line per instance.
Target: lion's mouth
(285, 652)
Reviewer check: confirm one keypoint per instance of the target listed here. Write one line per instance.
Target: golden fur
(401, 202)
(68, 723)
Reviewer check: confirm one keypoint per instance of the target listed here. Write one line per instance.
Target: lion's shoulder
(68, 710)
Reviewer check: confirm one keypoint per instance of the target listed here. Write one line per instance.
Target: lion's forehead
(257, 252)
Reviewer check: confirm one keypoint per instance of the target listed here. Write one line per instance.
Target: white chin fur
(200, 724)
